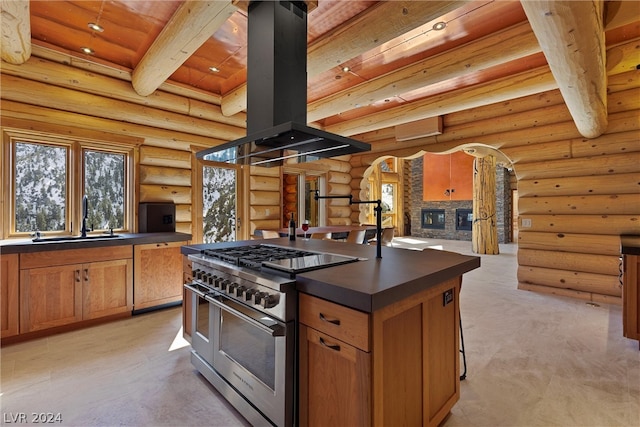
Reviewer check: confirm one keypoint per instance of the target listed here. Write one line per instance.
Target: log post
(484, 232)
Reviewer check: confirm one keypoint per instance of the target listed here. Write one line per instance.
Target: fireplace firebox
(433, 218)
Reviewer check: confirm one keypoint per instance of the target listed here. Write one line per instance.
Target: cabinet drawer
(345, 324)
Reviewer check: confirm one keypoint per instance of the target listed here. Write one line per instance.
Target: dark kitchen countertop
(12, 246)
(630, 244)
(371, 283)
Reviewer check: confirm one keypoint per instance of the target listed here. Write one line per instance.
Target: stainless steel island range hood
(277, 93)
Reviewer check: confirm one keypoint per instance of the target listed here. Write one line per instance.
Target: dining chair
(386, 238)
(322, 236)
(356, 236)
(267, 234)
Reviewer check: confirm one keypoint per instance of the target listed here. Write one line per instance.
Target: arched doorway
(453, 202)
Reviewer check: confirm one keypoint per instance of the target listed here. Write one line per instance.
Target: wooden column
(485, 232)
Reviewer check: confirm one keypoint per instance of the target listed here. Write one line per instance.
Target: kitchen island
(378, 339)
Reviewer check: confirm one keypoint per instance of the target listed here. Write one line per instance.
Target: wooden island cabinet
(396, 366)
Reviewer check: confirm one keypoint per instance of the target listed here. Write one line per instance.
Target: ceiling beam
(377, 25)
(504, 89)
(571, 35)
(188, 29)
(513, 43)
(16, 31)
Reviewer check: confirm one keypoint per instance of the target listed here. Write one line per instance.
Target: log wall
(577, 194)
(55, 99)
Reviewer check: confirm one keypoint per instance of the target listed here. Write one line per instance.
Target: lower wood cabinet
(9, 320)
(54, 292)
(399, 365)
(631, 297)
(158, 274)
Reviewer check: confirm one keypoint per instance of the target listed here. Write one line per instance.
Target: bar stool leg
(464, 357)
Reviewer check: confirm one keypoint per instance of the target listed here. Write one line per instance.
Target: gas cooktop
(280, 258)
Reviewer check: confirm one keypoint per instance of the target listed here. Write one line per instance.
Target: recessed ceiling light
(87, 50)
(214, 69)
(438, 26)
(346, 69)
(95, 27)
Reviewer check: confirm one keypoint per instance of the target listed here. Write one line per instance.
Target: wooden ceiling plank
(376, 26)
(189, 28)
(513, 43)
(572, 38)
(16, 31)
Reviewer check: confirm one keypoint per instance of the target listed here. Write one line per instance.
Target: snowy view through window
(219, 204)
(104, 178)
(41, 187)
(42, 197)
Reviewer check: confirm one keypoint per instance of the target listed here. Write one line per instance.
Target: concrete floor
(533, 360)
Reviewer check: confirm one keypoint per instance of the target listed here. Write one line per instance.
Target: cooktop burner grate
(254, 255)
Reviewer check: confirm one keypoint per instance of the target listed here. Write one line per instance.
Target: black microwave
(156, 217)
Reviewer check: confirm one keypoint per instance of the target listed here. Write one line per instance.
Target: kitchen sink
(76, 238)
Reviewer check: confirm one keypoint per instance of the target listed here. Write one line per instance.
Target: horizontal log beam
(513, 43)
(587, 263)
(500, 90)
(565, 242)
(87, 81)
(587, 224)
(41, 94)
(564, 279)
(571, 293)
(41, 118)
(609, 204)
(626, 183)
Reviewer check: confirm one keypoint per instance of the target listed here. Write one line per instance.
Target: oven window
(202, 317)
(249, 347)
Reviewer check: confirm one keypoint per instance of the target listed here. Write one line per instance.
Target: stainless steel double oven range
(244, 324)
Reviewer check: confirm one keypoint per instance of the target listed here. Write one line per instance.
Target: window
(49, 177)
(218, 204)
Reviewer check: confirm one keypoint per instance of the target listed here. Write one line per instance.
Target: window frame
(74, 180)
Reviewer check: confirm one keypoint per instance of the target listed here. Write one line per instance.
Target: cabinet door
(9, 296)
(335, 382)
(50, 296)
(158, 274)
(107, 288)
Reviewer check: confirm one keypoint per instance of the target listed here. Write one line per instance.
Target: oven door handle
(274, 331)
(195, 289)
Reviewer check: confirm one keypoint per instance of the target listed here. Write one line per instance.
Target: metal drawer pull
(333, 321)
(77, 276)
(335, 347)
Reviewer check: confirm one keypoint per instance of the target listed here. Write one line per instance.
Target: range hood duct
(277, 94)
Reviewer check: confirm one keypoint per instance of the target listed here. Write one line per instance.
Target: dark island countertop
(370, 283)
(13, 246)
